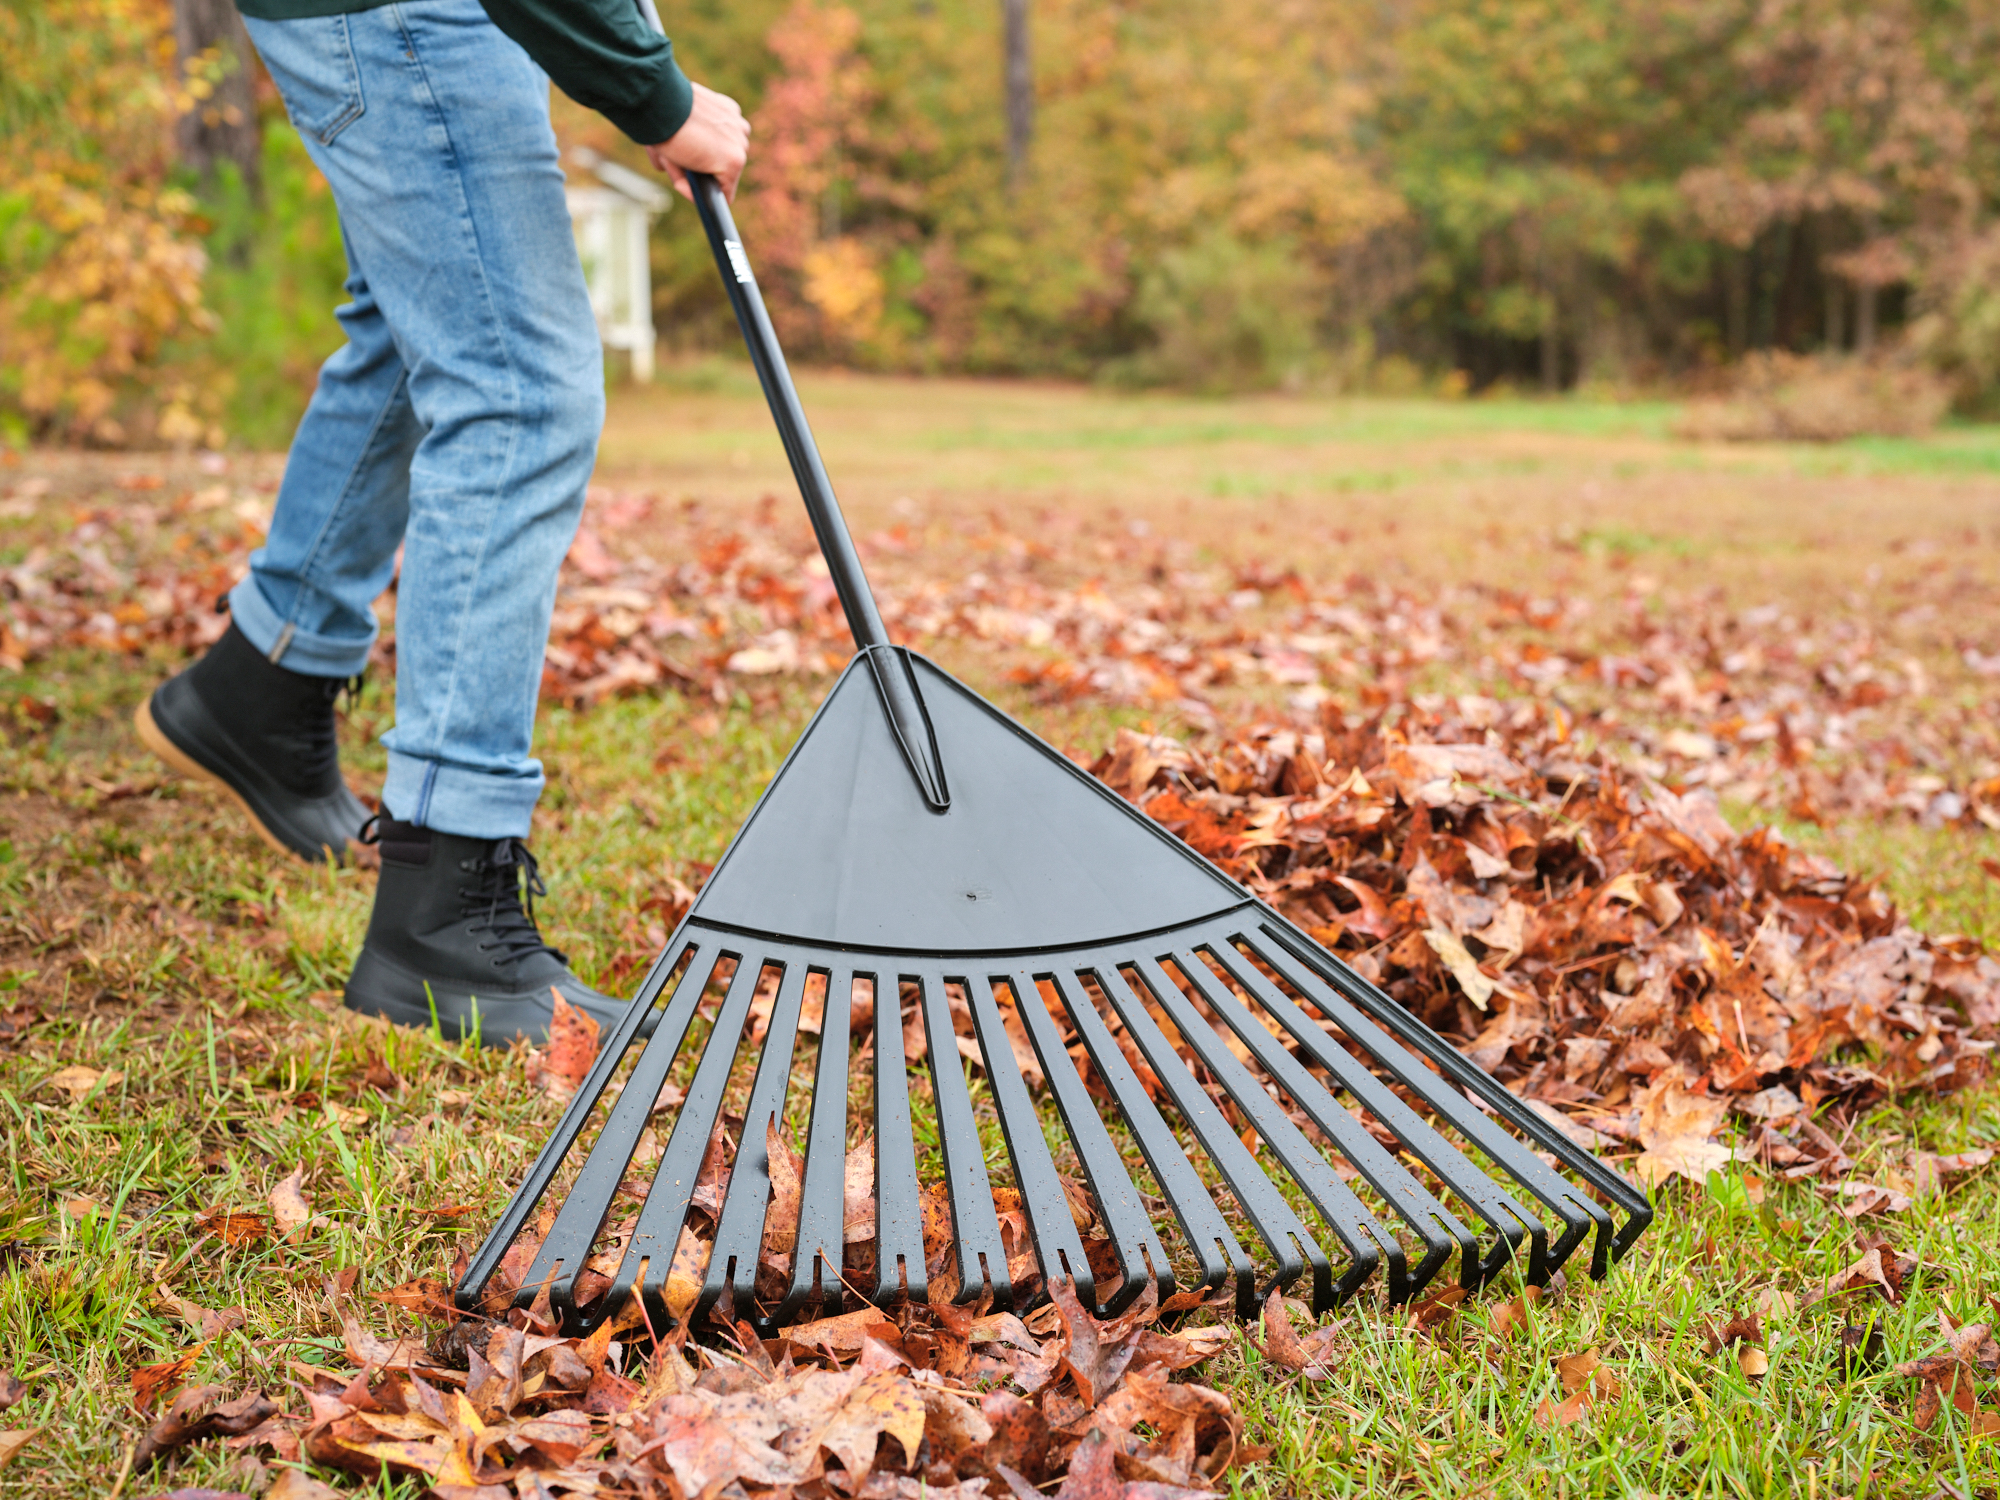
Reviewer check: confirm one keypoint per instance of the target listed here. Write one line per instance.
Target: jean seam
(424, 790)
(306, 578)
(357, 103)
(448, 698)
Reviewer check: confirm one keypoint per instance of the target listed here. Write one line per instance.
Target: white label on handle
(738, 262)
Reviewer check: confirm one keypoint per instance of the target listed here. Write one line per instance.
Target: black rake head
(1044, 931)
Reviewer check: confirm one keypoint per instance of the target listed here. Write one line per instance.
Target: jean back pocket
(312, 62)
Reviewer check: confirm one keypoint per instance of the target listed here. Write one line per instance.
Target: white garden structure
(611, 214)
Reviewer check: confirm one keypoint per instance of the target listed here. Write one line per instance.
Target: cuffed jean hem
(297, 650)
(453, 799)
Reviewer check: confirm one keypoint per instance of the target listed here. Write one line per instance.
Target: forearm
(603, 55)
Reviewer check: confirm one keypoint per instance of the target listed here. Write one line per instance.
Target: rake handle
(836, 544)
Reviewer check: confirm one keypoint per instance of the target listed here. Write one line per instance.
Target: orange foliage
(100, 268)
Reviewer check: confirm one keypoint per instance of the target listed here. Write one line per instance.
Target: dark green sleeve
(605, 57)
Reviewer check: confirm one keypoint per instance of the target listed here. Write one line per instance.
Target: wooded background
(1339, 194)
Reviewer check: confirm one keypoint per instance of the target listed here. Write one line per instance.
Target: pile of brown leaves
(935, 1401)
(1609, 948)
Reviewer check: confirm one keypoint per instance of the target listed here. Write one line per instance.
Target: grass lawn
(146, 936)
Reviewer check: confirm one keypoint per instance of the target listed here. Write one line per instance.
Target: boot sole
(382, 987)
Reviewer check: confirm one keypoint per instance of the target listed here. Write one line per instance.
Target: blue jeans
(461, 419)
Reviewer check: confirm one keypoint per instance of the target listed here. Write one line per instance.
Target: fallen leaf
(1776, 1305)
(883, 1403)
(1515, 1314)
(858, 1191)
(426, 1297)
(150, 1382)
(1099, 1353)
(1569, 1411)
(1587, 1373)
(1754, 1362)
(1675, 1127)
(233, 1228)
(78, 1081)
(289, 1209)
(686, 1273)
(1861, 1347)
(1283, 1346)
(197, 1414)
(208, 1323)
(1931, 1175)
(13, 1441)
(560, 1066)
(296, 1484)
(787, 1169)
(1438, 1308)
(1879, 1266)
(12, 1389)
(1453, 954)
(846, 1334)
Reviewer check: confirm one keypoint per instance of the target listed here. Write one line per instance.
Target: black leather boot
(265, 735)
(451, 940)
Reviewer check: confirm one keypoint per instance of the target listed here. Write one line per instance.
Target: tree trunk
(1836, 314)
(1020, 86)
(1551, 353)
(1736, 301)
(216, 63)
(1864, 318)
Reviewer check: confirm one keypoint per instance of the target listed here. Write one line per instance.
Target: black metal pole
(836, 545)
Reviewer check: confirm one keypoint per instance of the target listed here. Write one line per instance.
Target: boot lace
(315, 733)
(501, 879)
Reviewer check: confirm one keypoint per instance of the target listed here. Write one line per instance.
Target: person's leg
(442, 159)
(472, 258)
(308, 600)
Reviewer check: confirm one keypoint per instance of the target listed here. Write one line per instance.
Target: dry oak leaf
(13, 1441)
(787, 1172)
(560, 1067)
(1454, 955)
(858, 1194)
(289, 1210)
(1283, 1346)
(1099, 1353)
(1186, 1417)
(1186, 1347)
(296, 1484)
(150, 1382)
(1565, 1413)
(1932, 1174)
(77, 1081)
(1675, 1127)
(233, 1228)
(196, 1414)
(426, 1297)
(1440, 1307)
(846, 1334)
(1880, 1265)
(953, 1423)
(365, 1349)
(685, 1274)
(208, 1323)
(12, 1389)
(1093, 1475)
(1515, 1315)
(1585, 1382)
